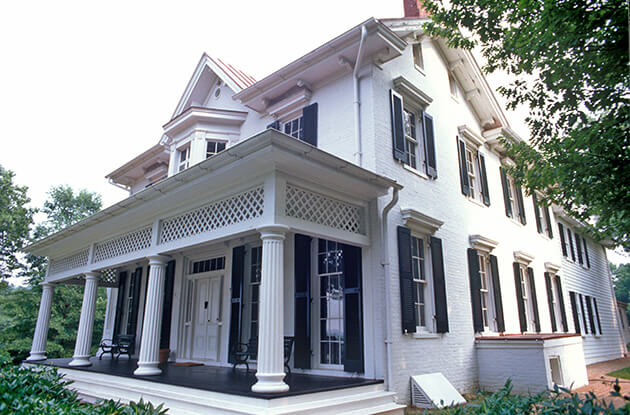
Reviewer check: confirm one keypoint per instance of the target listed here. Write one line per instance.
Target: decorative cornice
(481, 243)
(523, 257)
(410, 92)
(552, 268)
(420, 222)
(471, 136)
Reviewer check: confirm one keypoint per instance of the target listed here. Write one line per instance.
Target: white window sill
(475, 201)
(420, 69)
(544, 236)
(426, 335)
(415, 171)
(517, 222)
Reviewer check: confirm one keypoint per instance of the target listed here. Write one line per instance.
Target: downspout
(358, 156)
(385, 264)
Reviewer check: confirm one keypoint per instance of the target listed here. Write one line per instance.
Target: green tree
(19, 305)
(15, 221)
(621, 280)
(569, 61)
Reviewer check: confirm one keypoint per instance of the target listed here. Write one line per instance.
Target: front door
(207, 325)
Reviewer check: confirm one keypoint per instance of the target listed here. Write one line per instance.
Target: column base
(270, 382)
(36, 356)
(147, 369)
(80, 361)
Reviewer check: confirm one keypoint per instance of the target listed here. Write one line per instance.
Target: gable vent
(433, 391)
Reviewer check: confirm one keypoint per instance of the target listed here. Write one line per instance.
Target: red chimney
(414, 8)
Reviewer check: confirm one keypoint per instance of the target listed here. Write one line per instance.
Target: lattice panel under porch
(323, 210)
(60, 265)
(235, 209)
(121, 245)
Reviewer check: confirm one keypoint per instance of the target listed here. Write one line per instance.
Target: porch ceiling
(236, 169)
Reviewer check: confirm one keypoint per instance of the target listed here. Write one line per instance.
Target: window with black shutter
(591, 316)
(570, 239)
(578, 248)
(302, 321)
(439, 286)
(583, 313)
(475, 290)
(496, 290)
(588, 262)
(485, 290)
(398, 126)
(507, 194)
(551, 301)
(575, 311)
(563, 312)
(429, 145)
(236, 298)
(534, 302)
(520, 285)
(563, 242)
(599, 322)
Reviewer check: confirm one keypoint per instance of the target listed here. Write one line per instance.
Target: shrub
(42, 390)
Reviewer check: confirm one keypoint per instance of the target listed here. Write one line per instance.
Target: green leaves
(569, 61)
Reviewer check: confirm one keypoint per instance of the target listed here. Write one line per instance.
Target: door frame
(189, 327)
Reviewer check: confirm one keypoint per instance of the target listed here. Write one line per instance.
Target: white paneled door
(207, 319)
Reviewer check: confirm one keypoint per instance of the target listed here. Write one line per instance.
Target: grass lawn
(621, 373)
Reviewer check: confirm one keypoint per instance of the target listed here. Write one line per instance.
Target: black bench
(244, 352)
(123, 344)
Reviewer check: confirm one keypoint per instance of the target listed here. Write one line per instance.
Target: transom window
(213, 264)
(331, 300)
(214, 147)
(184, 159)
(295, 127)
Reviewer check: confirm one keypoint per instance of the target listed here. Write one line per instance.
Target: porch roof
(267, 151)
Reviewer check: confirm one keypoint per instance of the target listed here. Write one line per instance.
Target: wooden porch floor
(217, 379)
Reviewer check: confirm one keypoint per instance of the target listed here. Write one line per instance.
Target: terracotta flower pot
(164, 355)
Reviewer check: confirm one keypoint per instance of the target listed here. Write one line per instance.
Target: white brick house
(354, 201)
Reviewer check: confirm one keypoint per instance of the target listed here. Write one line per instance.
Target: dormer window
(295, 127)
(214, 147)
(184, 159)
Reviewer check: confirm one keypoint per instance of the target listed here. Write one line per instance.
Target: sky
(86, 86)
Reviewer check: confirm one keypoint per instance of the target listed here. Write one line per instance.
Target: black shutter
(484, 180)
(549, 229)
(522, 318)
(521, 205)
(407, 290)
(574, 310)
(475, 289)
(302, 266)
(563, 311)
(167, 307)
(588, 262)
(570, 238)
(582, 308)
(496, 290)
(122, 278)
(537, 214)
(132, 324)
(463, 168)
(552, 312)
(591, 317)
(274, 125)
(429, 145)
(599, 323)
(563, 242)
(309, 124)
(439, 286)
(236, 298)
(532, 284)
(578, 248)
(398, 126)
(353, 318)
(506, 193)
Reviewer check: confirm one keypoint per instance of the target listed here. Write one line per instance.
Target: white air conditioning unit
(433, 390)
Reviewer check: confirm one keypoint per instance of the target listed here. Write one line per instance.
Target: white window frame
(487, 291)
(217, 144)
(595, 313)
(513, 197)
(417, 262)
(527, 296)
(288, 127)
(555, 300)
(412, 137)
(183, 158)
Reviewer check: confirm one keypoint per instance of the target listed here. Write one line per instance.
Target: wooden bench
(123, 344)
(245, 352)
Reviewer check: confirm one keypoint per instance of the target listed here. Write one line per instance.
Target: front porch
(204, 389)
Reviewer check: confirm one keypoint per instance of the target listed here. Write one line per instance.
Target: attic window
(184, 159)
(214, 147)
(418, 59)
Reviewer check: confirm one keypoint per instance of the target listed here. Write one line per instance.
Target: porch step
(361, 400)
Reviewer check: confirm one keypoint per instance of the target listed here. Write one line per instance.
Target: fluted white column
(148, 359)
(86, 322)
(270, 364)
(38, 349)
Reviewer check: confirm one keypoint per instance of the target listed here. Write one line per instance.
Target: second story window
(410, 137)
(513, 197)
(184, 159)
(295, 127)
(214, 147)
(543, 220)
(472, 168)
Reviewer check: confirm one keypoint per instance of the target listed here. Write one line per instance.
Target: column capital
(158, 259)
(275, 231)
(92, 275)
(47, 285)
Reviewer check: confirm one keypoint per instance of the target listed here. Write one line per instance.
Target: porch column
(270, 371)
(148, 359)
(38, 349)
(86, 322)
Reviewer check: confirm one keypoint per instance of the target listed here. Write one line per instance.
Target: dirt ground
(602, 385)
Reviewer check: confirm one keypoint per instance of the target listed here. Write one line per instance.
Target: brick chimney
(414, 9)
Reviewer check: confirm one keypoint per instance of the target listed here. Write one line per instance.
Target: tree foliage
(621, 280)
(569, 61)
(15, 221)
